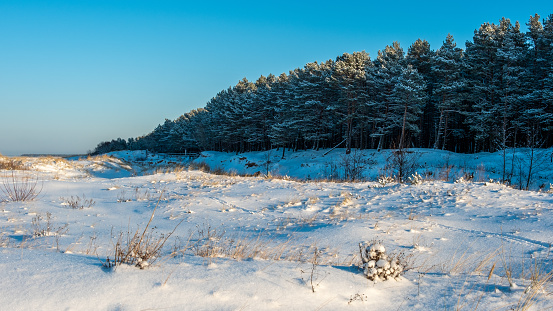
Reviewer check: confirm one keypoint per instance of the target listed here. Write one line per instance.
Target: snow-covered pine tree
(420, 56)
(222, 133)
(538, 117)
(312, 83)
(237, 114)
(483, 91)
(410, 95)
(348, 77)
(383, 77)
(447, 71)
(511, 76)
(279, 132)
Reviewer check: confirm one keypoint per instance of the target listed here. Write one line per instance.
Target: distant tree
(279, 133)
(109, 146)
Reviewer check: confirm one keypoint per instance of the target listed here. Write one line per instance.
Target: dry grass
(501, 265)
(140, 248)
(170, 168)
(209, 242)
(4, 240)
(538, 286)
(12, 164)
(138, 194)
(212, 243)
(99, 158)
(204, 167)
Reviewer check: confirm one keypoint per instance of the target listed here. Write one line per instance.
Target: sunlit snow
(286, 242)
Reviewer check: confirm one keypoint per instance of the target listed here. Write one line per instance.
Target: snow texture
(277, 243)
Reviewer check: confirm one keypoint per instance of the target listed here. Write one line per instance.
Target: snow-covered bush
(415, 179)
(384, 180)
(461, 180)
(377, 265)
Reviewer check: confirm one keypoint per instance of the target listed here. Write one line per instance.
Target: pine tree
(447, 71)
(279, 133)
(421, 57)
(349, 77)
(409, 93)
(484, 91)
(313, 117)
(538, 117)
(383, 77)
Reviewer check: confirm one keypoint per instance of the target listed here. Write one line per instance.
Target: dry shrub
(78, 202)
(42, 227)
(401, 163)
(16, 187)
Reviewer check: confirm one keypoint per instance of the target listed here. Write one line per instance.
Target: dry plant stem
(507, 266)
(314, 263)
(16, 188)
(483, 292)
(150, 221)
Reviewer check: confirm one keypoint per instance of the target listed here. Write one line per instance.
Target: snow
(460, 238)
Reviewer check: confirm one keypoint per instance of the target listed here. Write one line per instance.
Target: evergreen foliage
(495, 94)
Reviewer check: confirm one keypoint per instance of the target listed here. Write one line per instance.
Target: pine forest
(495, 94)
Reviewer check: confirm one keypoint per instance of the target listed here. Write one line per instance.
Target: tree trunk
(401, 141)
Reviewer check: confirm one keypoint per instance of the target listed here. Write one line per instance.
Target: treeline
(497, 93)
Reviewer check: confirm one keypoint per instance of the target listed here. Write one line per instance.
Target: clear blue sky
(74, 73)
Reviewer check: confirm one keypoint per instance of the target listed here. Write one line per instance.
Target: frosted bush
(461, 180)
(384, 180)
(415, 179)
(377, 265)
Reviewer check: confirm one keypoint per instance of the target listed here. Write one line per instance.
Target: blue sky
(74, 73)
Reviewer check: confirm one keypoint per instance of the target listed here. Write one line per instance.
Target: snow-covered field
(257, 243)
